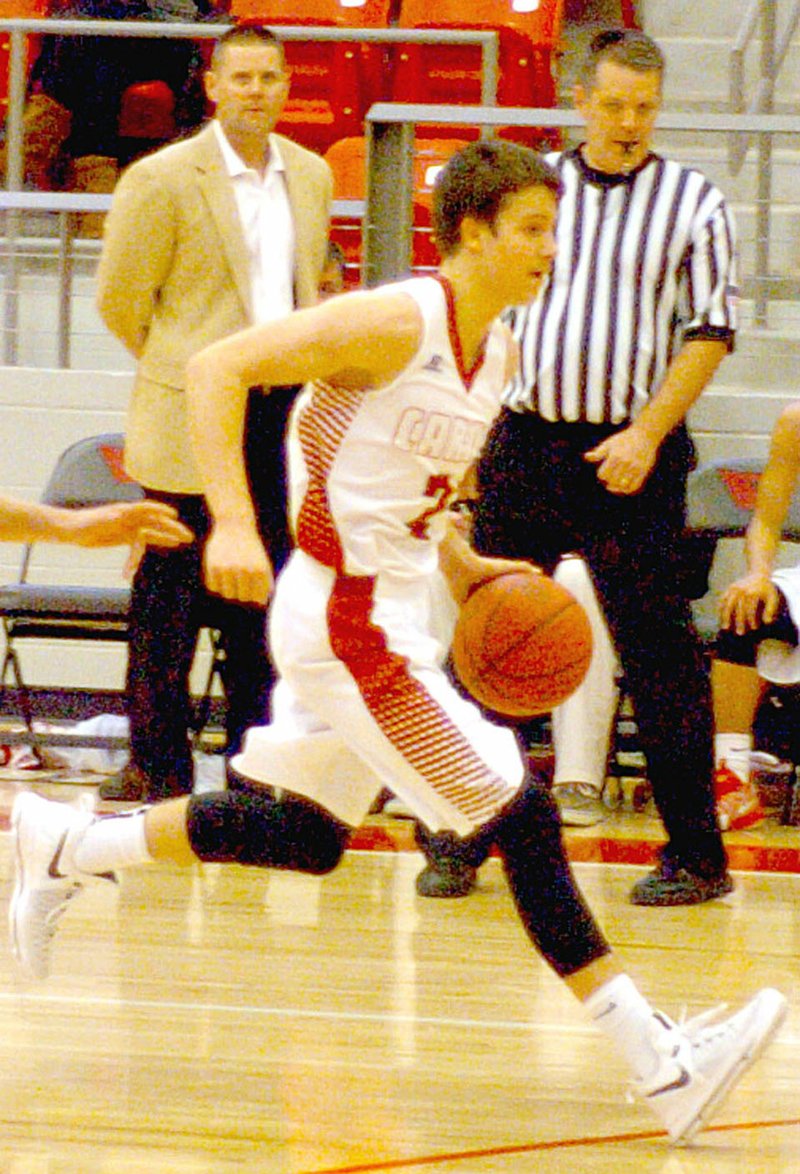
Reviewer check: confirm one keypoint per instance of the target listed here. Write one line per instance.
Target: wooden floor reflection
(222, 1019)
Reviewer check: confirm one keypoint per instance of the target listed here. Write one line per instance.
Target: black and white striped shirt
(645, 261)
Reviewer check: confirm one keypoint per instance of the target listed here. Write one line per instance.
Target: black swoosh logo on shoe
(680, 1082)
(54, 871)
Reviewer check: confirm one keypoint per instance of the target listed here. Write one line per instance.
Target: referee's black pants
(169, 604)
(539, 499)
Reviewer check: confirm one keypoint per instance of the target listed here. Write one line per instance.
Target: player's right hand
(748, 603)
(236, 565)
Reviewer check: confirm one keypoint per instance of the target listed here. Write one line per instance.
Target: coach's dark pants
(540, 499)
(169, 604)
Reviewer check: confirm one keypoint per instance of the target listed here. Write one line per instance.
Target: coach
(205, 237)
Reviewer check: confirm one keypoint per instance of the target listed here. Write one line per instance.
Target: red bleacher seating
(529, 35)
(630, 17)
(147, 111)
(18, 10)
(333, 83)
(348, 161)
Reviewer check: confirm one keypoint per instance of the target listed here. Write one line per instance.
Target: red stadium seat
(529, 33)
(333, 83)
(147, 111)
(18, 10)
(348, 161)
(630, 17)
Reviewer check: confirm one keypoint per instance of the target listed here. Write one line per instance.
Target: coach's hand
(236, 565)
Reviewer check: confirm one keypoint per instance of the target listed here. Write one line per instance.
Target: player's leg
(59, 848)
(682, 1072)
(582, 726)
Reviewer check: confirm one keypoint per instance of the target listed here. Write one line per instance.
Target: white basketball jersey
(372, 471)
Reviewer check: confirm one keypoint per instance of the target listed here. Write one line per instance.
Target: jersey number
(440, 488)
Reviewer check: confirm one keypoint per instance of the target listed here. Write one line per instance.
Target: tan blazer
(174, 276)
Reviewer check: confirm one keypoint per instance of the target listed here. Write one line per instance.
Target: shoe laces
(690, 1029)
(694, 1026)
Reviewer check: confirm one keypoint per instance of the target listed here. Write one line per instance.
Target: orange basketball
(522, 644)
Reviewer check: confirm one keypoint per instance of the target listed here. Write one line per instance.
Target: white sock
(626, 1017)
(734, 750)
(111, 842)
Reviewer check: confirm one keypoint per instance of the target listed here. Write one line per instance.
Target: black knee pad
(257, 828)
(531, 815)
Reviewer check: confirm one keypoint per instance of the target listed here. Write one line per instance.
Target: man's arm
(359, 340)
(138, 244)
(626, 459)
(753, 598)
(120, 524)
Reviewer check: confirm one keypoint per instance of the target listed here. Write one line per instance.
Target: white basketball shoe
(45, 835)
(700, 1062)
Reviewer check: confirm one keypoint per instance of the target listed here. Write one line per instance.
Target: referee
(592, 453)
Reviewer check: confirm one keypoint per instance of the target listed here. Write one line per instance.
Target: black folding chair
(88, 473)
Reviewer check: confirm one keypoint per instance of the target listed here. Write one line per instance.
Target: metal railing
(390, 139)
(66, 251)
(19, 30)
(773, 52)
(390, 128)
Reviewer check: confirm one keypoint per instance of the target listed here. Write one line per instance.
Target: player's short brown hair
(477, 179)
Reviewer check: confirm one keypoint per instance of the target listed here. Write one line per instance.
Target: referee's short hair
(477, 179)
(628, 47)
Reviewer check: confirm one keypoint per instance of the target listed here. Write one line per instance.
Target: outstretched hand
(140, 523)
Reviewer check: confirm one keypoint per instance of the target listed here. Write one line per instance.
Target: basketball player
(404, 383)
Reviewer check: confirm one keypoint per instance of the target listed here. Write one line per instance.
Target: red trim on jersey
(321, 426)
(414, 723)
(467, 376)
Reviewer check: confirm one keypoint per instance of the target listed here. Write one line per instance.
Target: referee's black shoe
(670, 884)
(447, 878)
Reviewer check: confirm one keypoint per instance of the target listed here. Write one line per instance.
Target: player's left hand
(624, 461)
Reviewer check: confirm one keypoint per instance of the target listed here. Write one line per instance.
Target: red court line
(536, 1147)
(598, 849)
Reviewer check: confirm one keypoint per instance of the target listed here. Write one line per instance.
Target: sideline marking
(537, 1147)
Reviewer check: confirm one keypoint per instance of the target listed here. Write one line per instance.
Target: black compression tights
(549, 903)
(254, 827)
